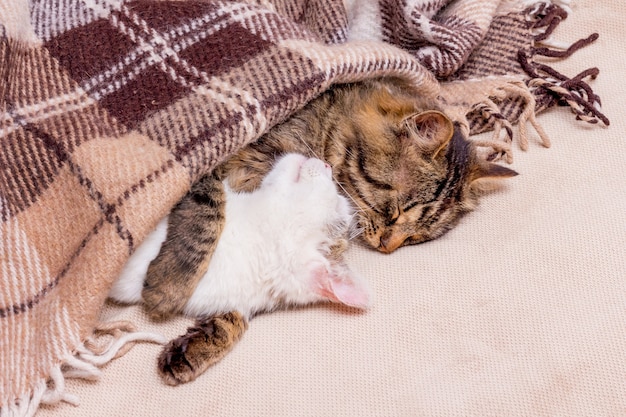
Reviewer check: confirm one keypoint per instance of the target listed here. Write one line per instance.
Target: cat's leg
(247, 168)
(188, 356)
(193, 230)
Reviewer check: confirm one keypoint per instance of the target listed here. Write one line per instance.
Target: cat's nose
(382, 247)
(390, 242)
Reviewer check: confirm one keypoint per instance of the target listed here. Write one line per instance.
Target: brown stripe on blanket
(28, 169)
(100, 44)
(227, 48)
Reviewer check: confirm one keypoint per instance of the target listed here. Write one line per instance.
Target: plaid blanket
(111, 109)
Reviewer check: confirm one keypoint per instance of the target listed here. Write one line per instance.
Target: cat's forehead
(288, 162)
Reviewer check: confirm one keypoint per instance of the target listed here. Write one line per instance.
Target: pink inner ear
(344, 287)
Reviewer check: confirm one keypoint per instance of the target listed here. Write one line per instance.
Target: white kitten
(274, 249)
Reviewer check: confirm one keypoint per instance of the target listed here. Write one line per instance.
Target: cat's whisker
(354, 231)
(355, 234)
(309, 148)
(358, 207)
(359, 212)
(356, 203)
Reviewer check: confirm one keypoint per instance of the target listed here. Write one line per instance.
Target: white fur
(127, 288)
(271, 251)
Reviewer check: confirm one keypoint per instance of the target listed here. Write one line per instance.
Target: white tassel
(81, 369)
(110, 353)
(57, 393)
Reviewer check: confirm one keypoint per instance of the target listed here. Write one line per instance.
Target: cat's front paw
(189, 355)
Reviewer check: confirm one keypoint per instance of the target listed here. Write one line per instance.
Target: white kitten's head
(305, 187)
(314, 222)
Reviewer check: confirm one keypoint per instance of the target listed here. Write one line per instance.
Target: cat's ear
(340, 284)
(485, 176)
(434, 130)
(489, 170)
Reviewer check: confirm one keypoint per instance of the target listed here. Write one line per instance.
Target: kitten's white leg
(127, 288)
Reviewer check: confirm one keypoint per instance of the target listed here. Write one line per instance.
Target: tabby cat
(404, 165)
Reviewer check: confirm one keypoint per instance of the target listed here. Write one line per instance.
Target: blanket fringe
(528, 113)
(545, 88)
(490, 109)
(500, 146)
(83, 364)
(125, 336)
(548, 85)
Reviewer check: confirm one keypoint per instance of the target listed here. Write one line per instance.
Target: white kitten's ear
(341, 285)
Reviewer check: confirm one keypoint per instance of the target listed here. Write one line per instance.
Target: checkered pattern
(111, 109)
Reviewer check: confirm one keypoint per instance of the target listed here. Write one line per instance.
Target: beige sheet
(520, 311)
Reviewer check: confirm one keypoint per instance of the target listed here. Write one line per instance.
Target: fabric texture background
(518, 311)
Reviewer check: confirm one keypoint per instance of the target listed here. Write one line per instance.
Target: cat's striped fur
(407, 169)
